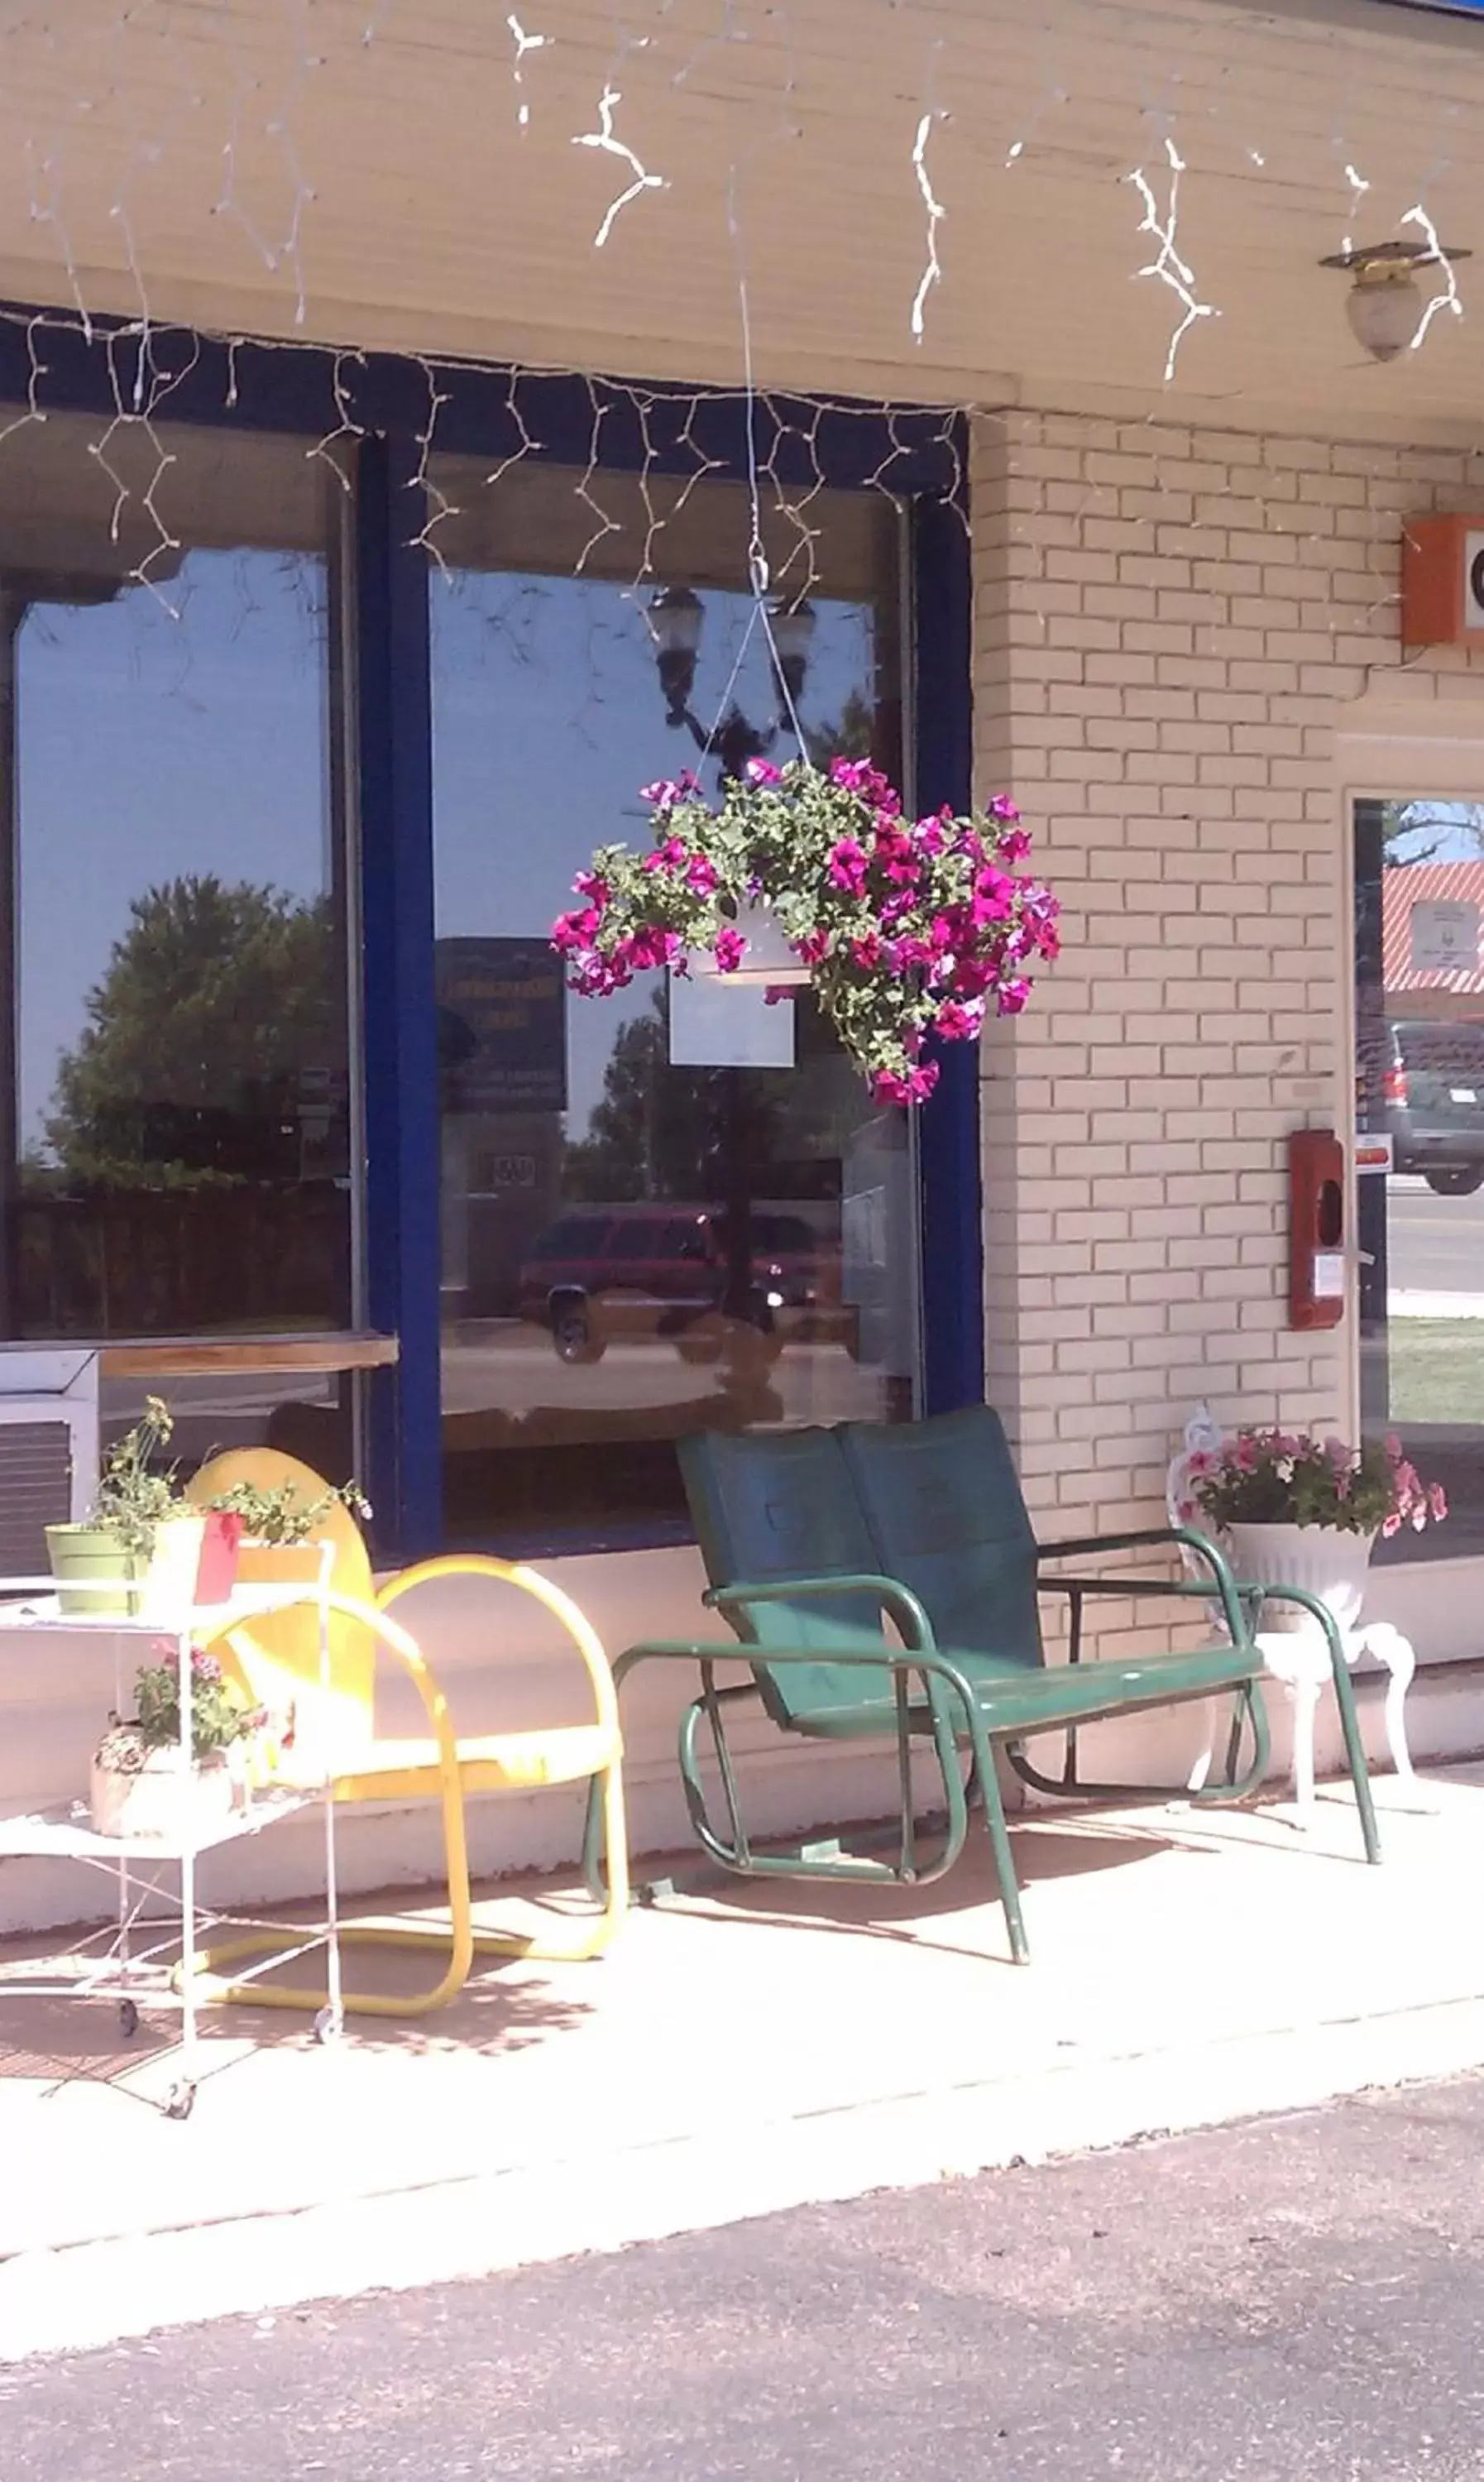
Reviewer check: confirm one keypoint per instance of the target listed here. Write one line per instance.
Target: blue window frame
(381, 409)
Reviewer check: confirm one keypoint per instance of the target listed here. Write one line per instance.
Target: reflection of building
(502, 1040)
(1433, 939)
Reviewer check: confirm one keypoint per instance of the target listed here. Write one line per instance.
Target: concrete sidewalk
(735, 2055)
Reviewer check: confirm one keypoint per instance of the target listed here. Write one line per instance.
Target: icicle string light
(1169, 268)
(603, 139)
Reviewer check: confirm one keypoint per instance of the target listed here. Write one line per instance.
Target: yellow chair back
(277, 1656)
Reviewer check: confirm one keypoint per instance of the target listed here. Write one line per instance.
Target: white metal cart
(124, 1974)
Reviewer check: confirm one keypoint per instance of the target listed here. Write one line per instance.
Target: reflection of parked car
(617, 1270)
(1432, 1092)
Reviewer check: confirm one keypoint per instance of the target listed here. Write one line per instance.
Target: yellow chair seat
(279, 1660)
(500, 1762)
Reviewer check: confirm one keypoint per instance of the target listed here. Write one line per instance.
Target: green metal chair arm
(898, 1661)
(1223, 1585)
(898, 1601)
(1147, 1539)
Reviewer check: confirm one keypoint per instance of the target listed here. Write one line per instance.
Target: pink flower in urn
(814, 947)
(763, 772)
(701, 876)
(1012, 997)
(1015, 844)
(665, 793)
(730, 949)
(670, 855)
(867, 951)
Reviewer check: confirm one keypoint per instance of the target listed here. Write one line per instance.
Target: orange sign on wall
(1442, 582)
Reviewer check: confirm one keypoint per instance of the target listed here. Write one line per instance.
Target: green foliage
(134, 1501)
(218, 1715)
(282, 1514)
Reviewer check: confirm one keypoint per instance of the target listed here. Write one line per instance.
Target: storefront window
(653, 1220)
(177, 1161)
(1419, 1059)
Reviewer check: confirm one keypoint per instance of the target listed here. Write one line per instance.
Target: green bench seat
(816, 1542)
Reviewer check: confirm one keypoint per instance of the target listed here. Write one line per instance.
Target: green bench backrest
(784, 1504)
(933, 1504)
(944, 1504)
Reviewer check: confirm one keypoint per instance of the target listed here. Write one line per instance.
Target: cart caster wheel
(179, 2103)
(128, 2019)
(329, 2025)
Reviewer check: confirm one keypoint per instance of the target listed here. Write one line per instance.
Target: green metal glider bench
(813, 1539)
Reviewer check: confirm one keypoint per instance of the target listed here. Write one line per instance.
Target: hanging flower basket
(908, 930)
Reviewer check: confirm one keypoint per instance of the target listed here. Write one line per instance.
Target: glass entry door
(1420, 1093)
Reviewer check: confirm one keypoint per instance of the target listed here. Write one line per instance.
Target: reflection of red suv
(611, 1271)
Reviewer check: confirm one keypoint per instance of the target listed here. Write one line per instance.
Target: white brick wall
(1168, 623)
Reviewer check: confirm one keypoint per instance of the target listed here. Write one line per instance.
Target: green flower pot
(78, 1553)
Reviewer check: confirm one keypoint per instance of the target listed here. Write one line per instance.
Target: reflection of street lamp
(676, 617)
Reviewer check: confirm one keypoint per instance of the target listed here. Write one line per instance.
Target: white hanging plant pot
(1323, 1559)
(768, 959)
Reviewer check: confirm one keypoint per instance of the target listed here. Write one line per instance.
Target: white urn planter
(160, 1800)
(1324, 1560)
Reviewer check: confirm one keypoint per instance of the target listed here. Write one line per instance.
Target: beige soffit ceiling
(361, 175)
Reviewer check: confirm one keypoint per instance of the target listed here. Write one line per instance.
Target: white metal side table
(125, 1974)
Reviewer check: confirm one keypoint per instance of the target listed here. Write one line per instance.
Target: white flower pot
(161, 1801)
(167, 1588)
(1323, 1559)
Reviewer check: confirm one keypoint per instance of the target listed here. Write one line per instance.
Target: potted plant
(910, 931)
(280, 1530)
(140, 1530)
(139, 1787)
(1297, 1511)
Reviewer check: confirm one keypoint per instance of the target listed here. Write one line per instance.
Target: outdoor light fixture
(1386, 304)
(676, 617)
(793, 626)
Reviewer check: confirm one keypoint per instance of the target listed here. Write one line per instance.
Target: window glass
(1420, 1062)
(781, 1285)
(176, 1152)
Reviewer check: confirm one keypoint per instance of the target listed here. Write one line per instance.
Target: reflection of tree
(1423, 831)
(215, 1000)
(852, 737)
(658, 1131)
(688, 1133)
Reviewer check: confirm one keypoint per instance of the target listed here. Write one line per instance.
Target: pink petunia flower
(848, 866)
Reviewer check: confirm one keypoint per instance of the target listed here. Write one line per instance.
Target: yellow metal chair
(336, 1742)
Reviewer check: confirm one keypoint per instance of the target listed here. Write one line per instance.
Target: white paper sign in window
(1444, 937)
